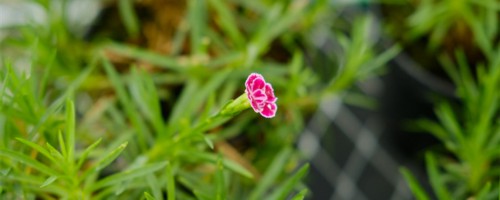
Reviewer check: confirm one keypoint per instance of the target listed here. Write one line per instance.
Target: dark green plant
(440, 19)
(112, 132)
(470, 131)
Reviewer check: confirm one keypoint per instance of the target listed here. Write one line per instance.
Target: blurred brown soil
(158, 19)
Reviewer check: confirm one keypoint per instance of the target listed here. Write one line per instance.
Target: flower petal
(256, 107)
(258, 83)
(250, 80)
(259, 95)
(270, 93)
(269, 110)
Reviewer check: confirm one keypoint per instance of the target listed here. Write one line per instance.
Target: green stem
(230, 110)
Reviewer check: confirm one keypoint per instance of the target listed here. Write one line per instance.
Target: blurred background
(363, 83)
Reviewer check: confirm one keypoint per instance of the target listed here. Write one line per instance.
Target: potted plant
(213, 114)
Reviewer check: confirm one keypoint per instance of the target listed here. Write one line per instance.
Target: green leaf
(450, 69)
(434, 128)
(183, 103)
(490, 5)
(62, 145)
(209, 105)
(282, 191)
(447, 118)
(435, 178)
(483, 193)
(47, 70)
(128, 105)
(219, 181)
(227, 91)
(147, 56)
(380, 60)
(38, 148)
(208, 141)
(4, 85)
(202, 195)
(32, 183)
(231, 165)
(5, 171)
(145, 96)
(301, 195)
(179, 37)
(49, 181)
(54, 152)
(415, 187)
(192, 181)
(197, 15)
(127, 13)
(70, 131)
(228, 22)
(467, 83)
(14, 155)
(194, 95)
(170, 182)
(127, 175)
(233, 129)
(154, 185)
(277, 21)
(106, 160)
(269, 177)
(480, 35)
(86, 152)
(57, 104)
(147, 196)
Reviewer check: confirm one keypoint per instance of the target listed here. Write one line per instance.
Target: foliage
(439, 19)
(471, 134)
(76, 124)
(469, 130)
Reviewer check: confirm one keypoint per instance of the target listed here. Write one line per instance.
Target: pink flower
(261, 95)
